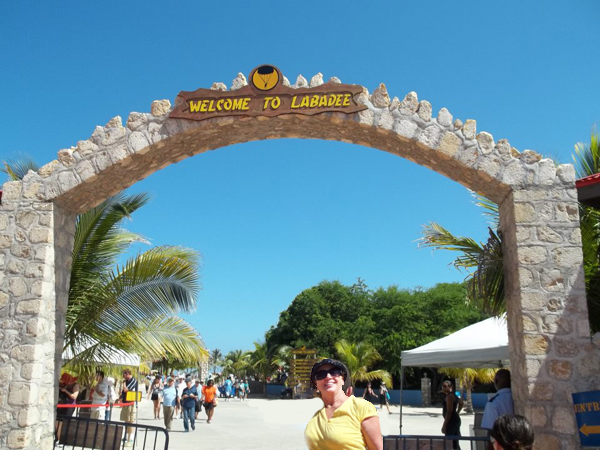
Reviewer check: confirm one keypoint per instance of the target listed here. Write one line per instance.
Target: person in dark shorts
(199, 386)
(210, 399)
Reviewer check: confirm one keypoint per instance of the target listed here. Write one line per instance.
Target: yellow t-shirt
(343, 430)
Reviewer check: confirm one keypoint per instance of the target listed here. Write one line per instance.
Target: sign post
(300, 368)
(587, 413)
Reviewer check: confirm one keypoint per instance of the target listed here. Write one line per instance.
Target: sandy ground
(278, 424)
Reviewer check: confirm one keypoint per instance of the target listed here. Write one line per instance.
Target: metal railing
(416, 442)
(83, 433)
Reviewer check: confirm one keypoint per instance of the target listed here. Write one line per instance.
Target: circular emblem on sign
(265, 78)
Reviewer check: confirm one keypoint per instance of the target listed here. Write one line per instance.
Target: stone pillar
(28, 311)
(549, 336)
(425, 391)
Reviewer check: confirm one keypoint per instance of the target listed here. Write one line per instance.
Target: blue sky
(273, 218)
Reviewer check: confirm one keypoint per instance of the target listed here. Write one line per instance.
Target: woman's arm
(371, 430)
(461, 403)
(75, 392)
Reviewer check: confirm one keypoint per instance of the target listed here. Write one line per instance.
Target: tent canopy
(481, 345)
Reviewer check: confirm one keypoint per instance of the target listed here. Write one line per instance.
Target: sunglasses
(322, 374)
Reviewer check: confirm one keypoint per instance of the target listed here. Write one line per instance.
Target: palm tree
(215, 359)
(485, 278)
(359, 358)
(131, 307)
(236, 362)
(467, 378)
(486, 281)
(266, 360)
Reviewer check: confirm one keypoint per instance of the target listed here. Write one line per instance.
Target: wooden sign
(265, 95)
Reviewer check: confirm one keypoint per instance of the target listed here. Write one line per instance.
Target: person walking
(450, 410)
(384, 397)
(369, 394)
(130, 384)
(210, 399)
(246, 389)
(99, 397)
(155, 393)
(188, 405)
(169, 403)
(198, 409)
(228, 386)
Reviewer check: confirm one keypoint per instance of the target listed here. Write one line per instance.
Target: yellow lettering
(227, 104)
(204, 105)
(294, 105)
(338, 100)
(323, 101)
(305, 102)
(314, 101)
(596, 406)
(331, 101)
(346, 100)
(275, 103)
(245, 104)
(194, 106)
(237, 103)
(266, 103)
(220, 104)
(211, 106)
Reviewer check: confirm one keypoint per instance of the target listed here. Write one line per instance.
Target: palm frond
(437, 237)
(491, 209)
(16, 168)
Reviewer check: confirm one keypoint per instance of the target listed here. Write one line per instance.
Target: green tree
(359, 358)
(587, 162)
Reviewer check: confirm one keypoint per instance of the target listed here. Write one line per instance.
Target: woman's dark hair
(210, 382)
(513, 432)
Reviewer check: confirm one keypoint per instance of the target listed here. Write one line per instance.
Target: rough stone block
(524, 213)
(444, 118)
(405, 128)
(568, 257)
(113, 135)
(541, 391)
(17, 287)
(514, 174)
(486, 142)
(11, 190)
(470, 129)
(532, 255)
(567, 212)
(536, 344)
(65, 156)
(39, 235)
(20, 438)
(23, 394)
(431, 136)
(560, 370)
(161, 107)
(27, 353)
(379, 98)
(85, 169)
(409, 105)
(48, 169)
(424, 110)
(31, 307)
(28, 416)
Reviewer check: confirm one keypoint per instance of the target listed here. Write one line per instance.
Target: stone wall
(551, 352)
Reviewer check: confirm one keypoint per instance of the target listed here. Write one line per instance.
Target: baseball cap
(334, 363)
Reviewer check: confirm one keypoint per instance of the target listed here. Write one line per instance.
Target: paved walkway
(261, 424)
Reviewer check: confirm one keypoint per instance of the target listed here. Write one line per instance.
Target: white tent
(483, 344)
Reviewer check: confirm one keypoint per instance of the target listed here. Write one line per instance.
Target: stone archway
(550, 345)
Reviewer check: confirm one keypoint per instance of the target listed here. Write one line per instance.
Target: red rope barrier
(92, 406)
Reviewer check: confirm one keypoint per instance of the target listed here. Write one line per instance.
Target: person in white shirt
(501, 403)
(99, 397)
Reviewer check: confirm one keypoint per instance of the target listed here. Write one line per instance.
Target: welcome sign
(266, 95)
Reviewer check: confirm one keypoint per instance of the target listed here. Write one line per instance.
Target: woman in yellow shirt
(345, 422)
